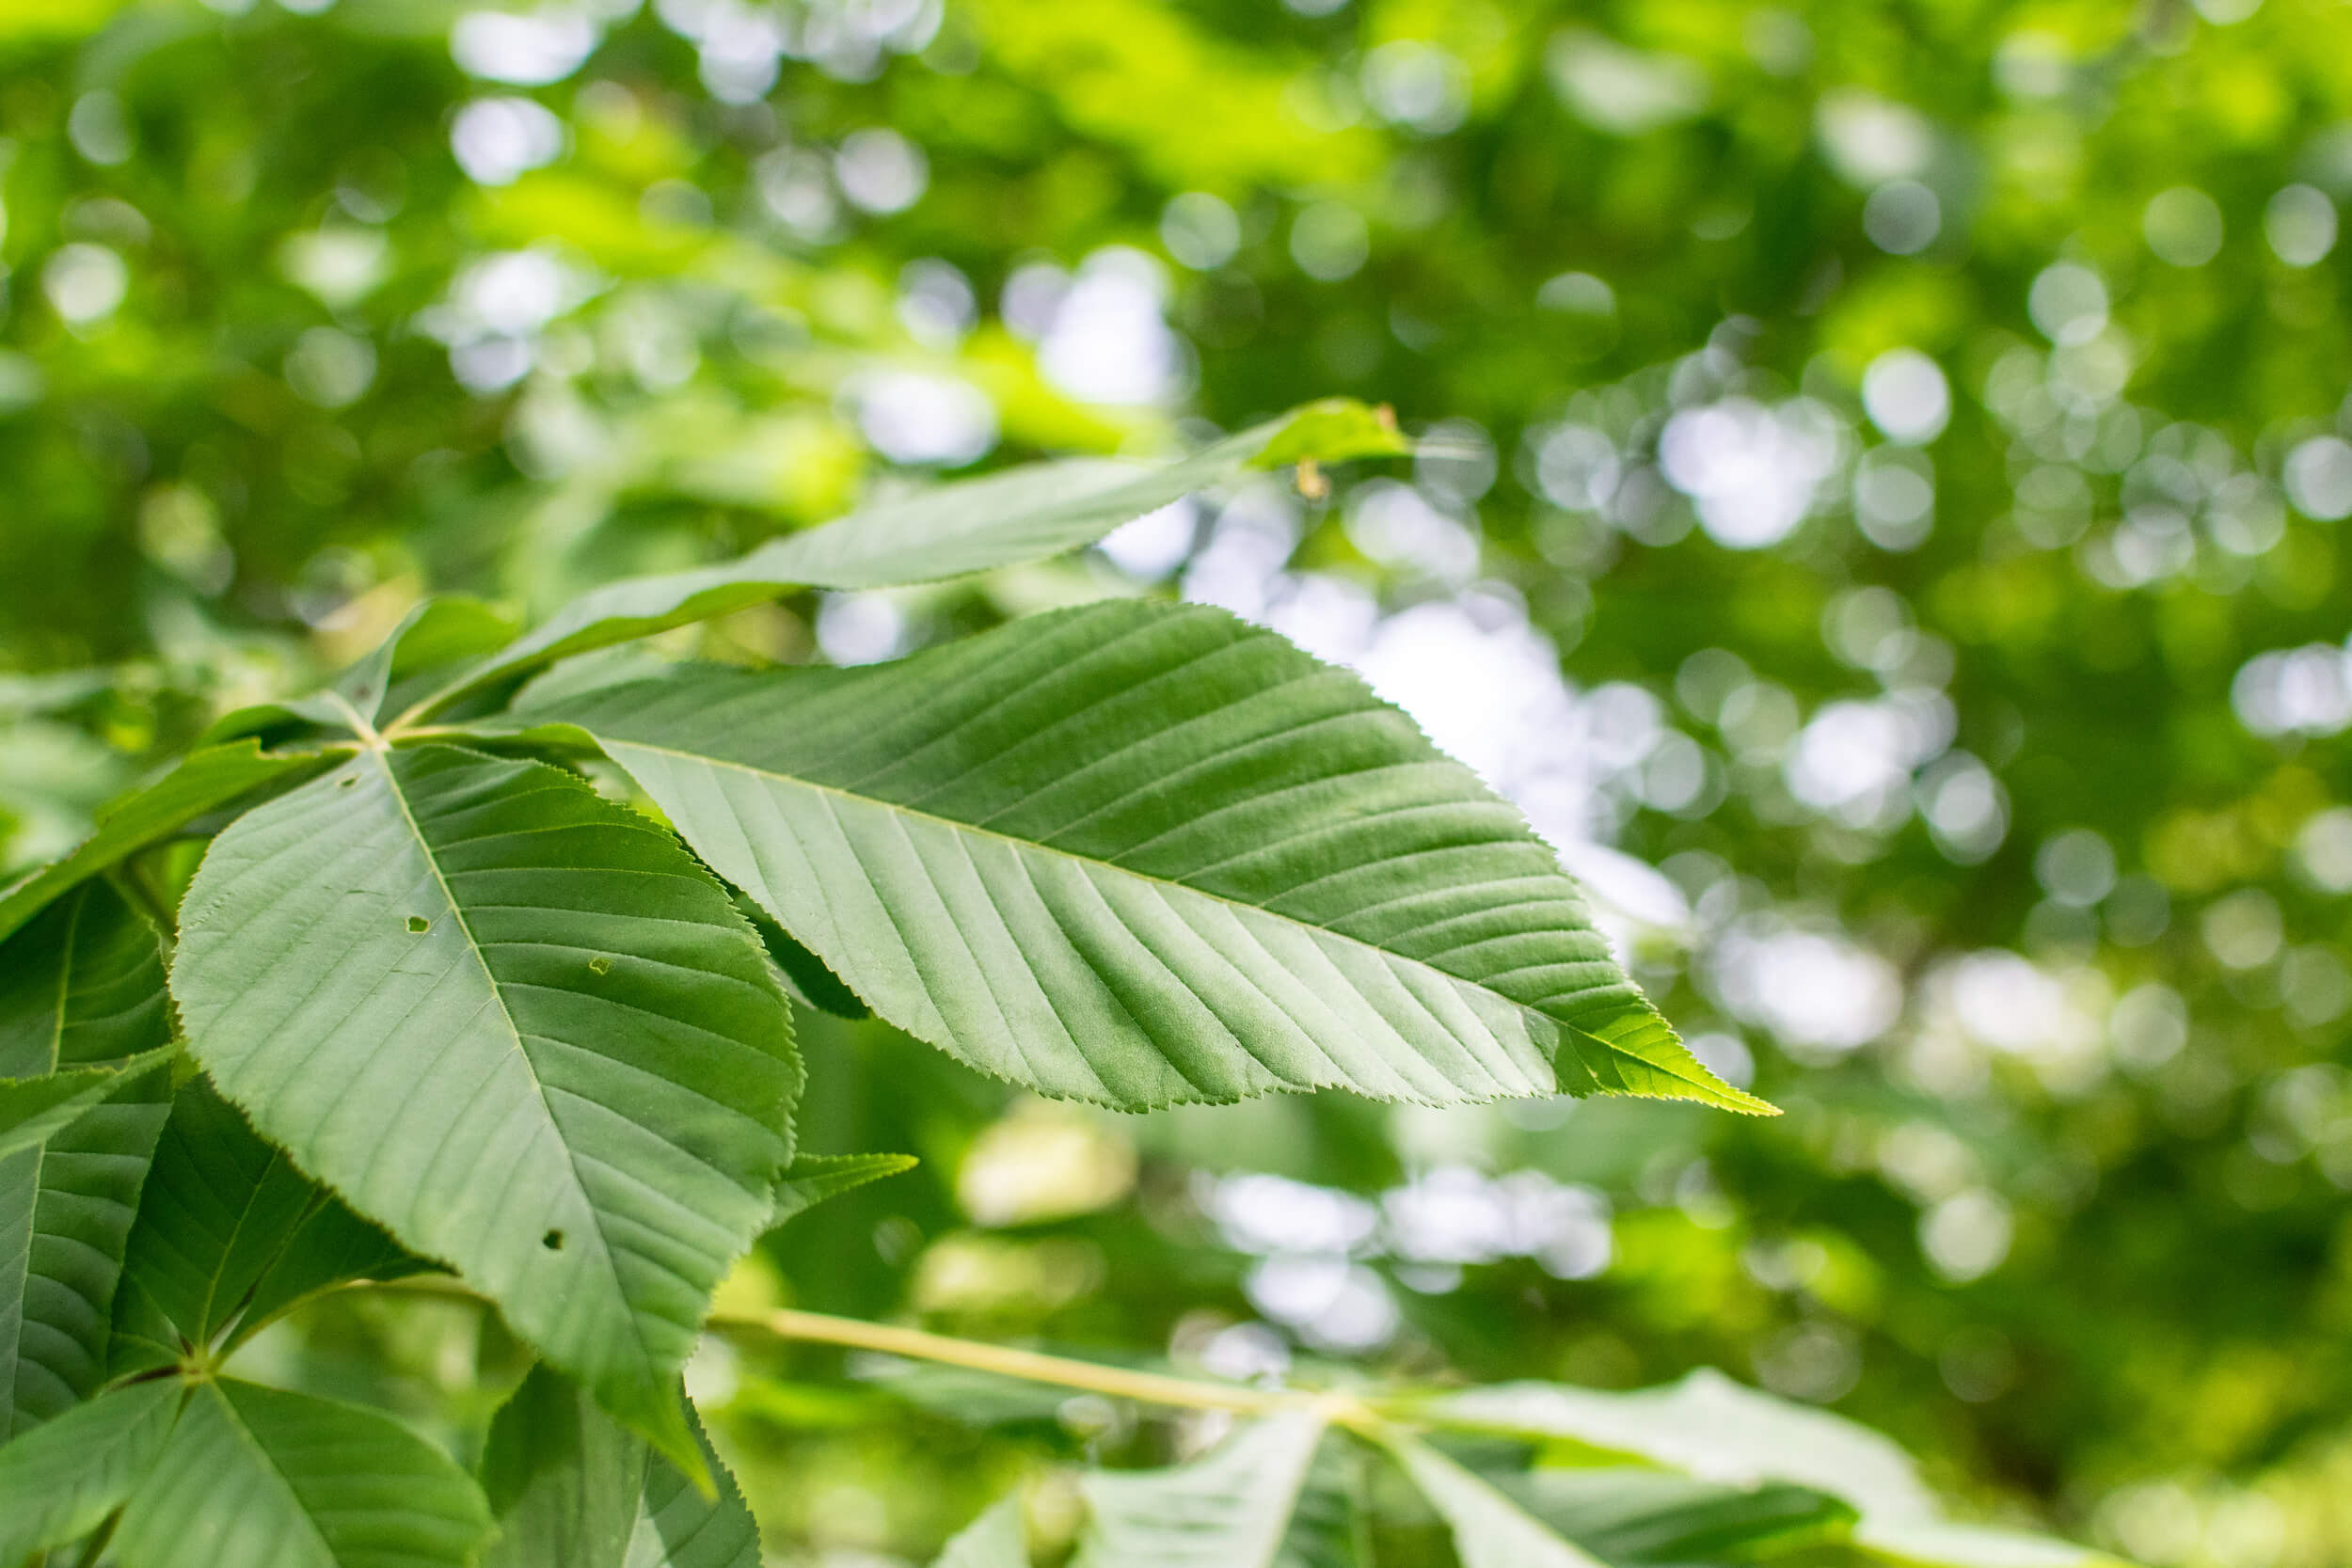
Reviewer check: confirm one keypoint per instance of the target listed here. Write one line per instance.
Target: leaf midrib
(515, 1034)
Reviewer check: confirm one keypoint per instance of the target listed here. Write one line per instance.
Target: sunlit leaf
(1002, 519)
(1140, 853)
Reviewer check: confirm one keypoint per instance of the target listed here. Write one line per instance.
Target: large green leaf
(254, 1476)
(1231, 1508)
(56, 1483)
(516, 1025)
(1002, 519)
(1489, 1529)
(203, 782)
(571, 1488)
(80, 986)
(1140, 853)
(228, 1231)
(996, 1539)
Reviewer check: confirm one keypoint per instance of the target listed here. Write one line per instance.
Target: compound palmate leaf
(1141, 854)
(1000, 520)
(255, 1476)
(80, 987)
(1231, 1508)
(516, 1025)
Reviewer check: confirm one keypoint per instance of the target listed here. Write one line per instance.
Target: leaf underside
(1140, 853)
(80, 986)
(517, 1027)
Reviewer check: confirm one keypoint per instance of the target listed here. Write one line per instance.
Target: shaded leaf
(228, 1231)
(516, 1024)
(1489, 1529)
(804, 973)
(997, 1539)
(974, 525)
(33, 1108)
(814, 1178)
(80, 986)
(203, 782)
(571, 1488)
(1231, 1508)
(253, 1475)
(1141, 854)
(58, 1482)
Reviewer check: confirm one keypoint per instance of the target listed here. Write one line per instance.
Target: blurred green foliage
(1879, 516)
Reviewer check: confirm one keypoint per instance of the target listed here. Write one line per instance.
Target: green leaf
(33, 1108)
(1489, 1529)
(814, 1178)
(1331, 1526)
(516, 1025)
(1938, 1544)
(229, 1233)
(1141, 854)
(252, 1474)
(1713, 1428)
(1721, 1431)
(59, 1481)
(1628, 1516)
(1231, 1508)
(203, 782)
(997, 1539)
(573, 1489)
(974, 525)
(434, 635)
(804, 973)
(80, 986)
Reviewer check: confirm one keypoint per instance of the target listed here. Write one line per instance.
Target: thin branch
(1034, 1366)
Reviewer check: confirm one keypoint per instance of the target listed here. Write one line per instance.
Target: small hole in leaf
(346, 781)
(418, 923)
(600, 964)
(553, 1241)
